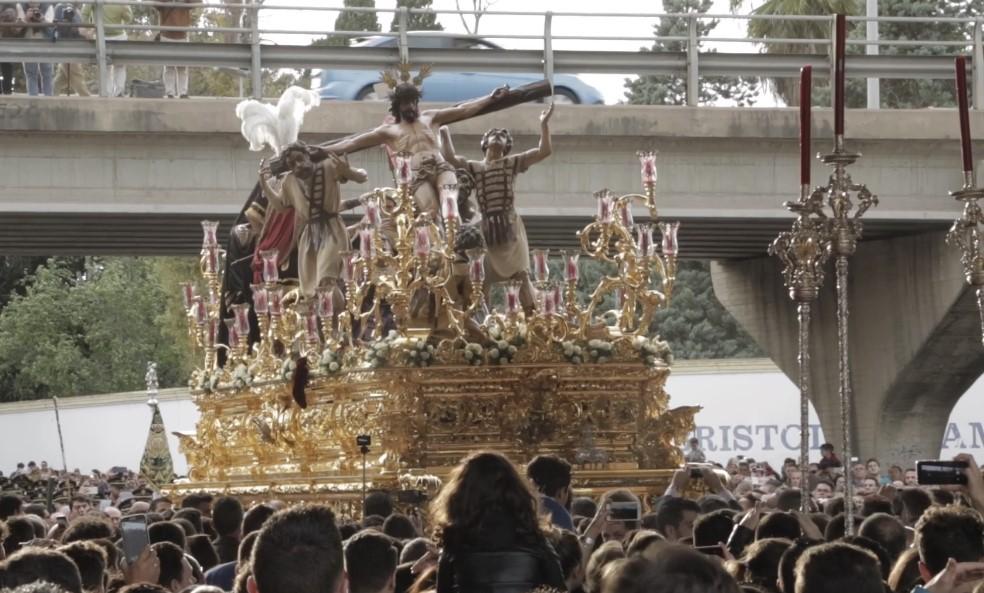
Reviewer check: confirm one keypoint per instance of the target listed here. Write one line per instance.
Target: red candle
(840, 43)
(965, 148)
(806, 94)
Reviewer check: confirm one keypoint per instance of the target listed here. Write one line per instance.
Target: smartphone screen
(135, 538)
(940, 472)
(624, 511)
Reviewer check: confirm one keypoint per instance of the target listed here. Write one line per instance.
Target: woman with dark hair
(490, 533)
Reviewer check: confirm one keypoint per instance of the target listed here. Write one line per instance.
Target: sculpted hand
(500, 92)
(545, 115)
(265, 171)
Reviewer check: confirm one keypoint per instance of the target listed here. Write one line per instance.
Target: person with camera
(70, 77)
(38, 17)
(10, 27)
(176, 14)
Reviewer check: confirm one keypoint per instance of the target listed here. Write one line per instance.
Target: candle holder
(965, 234)
(803, 252)
(844, 228)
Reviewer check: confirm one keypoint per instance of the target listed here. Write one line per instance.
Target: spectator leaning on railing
(37, 17)
(70, 77)
(177, 14)
(114, 16)
(9, 28)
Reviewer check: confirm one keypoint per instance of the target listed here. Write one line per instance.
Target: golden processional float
(572, 378)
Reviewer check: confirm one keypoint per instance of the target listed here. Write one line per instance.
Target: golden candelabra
(558, 378)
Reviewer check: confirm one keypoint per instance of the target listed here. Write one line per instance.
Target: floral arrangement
(330, 363)
(600, 351)
(573, 352)
(502, 350)
(421, 353)
(242, 376)
(652, 350)
(473, 353)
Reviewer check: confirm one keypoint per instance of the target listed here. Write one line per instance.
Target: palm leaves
(788, 88)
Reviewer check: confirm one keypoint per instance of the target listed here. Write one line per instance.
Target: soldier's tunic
(505, 235)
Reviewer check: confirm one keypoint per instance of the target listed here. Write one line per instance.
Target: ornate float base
(610, 420)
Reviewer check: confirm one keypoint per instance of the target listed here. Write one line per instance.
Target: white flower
(576, 360)
(333, 367)
(494, 353)
(469, 355)
(425, 355)
(511, 350)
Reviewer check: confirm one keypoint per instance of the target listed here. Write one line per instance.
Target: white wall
(99, 433)
(750, 408)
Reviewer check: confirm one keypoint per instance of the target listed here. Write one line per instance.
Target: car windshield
(415, 41)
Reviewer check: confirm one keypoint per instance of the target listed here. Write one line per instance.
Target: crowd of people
(64, 21)
(498, 528)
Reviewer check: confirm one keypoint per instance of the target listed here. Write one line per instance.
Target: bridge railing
(561, 45)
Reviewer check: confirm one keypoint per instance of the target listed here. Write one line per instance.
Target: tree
(479, 8)
(920, 93)
(93, 332)
(895, 93)
(672, 90)
(417, 21)
(696, 325)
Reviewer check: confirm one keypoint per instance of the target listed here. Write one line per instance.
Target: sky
(632, 33)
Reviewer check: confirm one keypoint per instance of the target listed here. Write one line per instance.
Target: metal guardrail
(251, 55)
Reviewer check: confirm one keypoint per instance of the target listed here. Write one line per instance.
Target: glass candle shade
(271, 270)
(240, 313)
(403, 170)
(326, 302)
(275, 294)
(647, 159)
(422, 241)
(541, 272)
(625, 214)
(372, 211)
(644, 239)
(261, 302)
(571, 270)
(669, 230)
(604, 198)
(367, 247)
(476, 266)
(199, 310)
(512, 297)
(212, 259)
(187, 294)
(210, 234)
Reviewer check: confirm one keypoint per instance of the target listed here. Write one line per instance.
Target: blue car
(445, 87)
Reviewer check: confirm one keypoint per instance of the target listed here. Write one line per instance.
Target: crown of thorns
(402, 73)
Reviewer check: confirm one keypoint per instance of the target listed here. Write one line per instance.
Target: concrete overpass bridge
(104, 176)
(125, 176)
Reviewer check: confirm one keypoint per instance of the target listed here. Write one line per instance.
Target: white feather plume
(277, 125)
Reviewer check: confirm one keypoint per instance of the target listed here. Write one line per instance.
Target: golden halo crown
(402, 73)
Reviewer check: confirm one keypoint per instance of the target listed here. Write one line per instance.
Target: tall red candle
(966, 150)
(840, 43)
(806, 95)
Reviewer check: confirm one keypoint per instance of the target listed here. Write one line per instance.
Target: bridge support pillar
(915, 340)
